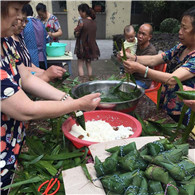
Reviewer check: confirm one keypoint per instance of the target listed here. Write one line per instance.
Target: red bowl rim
(88, 143)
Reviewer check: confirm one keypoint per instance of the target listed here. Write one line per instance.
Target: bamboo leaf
(183, 112)
(189, 127)
(35, 146)
(179, 83)
(86, 172)
(56, 150)
(62, 156)
(124, 52)
(144, 130)
(27, 157)
(187, 95)
(158, 97)
(48, 166)
(28, 181)
(116, 46)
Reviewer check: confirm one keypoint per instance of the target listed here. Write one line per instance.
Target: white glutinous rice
(101, 131)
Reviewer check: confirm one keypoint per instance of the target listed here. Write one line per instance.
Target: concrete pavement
(105, 47)
(102, 68)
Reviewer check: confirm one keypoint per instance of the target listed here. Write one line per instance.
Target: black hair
(89, 11)
(191, 13)
(128, 28)
(41, 7)
(5, 5)
(27, 9)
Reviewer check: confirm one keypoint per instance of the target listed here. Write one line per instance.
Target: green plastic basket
(55, 49)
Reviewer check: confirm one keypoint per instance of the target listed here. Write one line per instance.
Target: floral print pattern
(52, 25)
(12, 131)
(169, 100)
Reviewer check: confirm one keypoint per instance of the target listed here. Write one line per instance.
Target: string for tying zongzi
(168, 185)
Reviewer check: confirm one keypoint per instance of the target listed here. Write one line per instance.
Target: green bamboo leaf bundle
(175, 171)
(157, 173)
(171, 187)
(154, 148)
(155, 187)
(172, 156)
(110, 163)
(99, 167)
(118, 183)
(134, 187)
(189, 167)
(132, 161)
(191, 181)
(143, 187)
(123, 150)
(187, 190)
(169, 172)
(108, 166)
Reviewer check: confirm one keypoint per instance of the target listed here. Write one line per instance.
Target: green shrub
(168, 25)
(176, 29)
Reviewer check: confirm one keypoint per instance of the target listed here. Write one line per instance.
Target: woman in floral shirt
(181, 63)
(50, 21)
(16, 106)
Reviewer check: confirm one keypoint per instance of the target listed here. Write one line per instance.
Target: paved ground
(102, 68)
(105, 47)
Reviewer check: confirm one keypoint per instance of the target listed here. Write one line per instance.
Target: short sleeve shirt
(12, 131)
(52, 25)
(131, 45)
(20, 47)
(169, 100)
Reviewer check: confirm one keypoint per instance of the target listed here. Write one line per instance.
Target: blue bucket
(55, 49)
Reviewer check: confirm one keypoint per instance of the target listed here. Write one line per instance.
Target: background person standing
(50, 21)
(86, 47)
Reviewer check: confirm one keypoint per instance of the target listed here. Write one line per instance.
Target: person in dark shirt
(144, 36)
(144, 47)
(86, 48)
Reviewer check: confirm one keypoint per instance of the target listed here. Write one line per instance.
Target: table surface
(67, 56)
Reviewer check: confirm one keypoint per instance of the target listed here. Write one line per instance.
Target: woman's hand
(189, 103)
(128, 55)
(54, 72)
(131, 66)
(89, 102)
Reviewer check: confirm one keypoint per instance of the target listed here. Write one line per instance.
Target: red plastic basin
(114, 118)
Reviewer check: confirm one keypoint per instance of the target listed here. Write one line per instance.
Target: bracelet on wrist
(65, 97)
(146, 72)
(135, 58)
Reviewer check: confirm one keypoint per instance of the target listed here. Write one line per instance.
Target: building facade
(111, 18)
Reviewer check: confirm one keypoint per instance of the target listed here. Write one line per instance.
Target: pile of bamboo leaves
(45, 156)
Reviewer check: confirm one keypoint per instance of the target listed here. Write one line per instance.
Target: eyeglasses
(23, 21)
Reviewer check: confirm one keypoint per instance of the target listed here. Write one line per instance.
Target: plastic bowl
(55, 49)
(114, 118)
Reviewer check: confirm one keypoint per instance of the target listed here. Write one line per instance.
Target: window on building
(99, 6)
(136, 7)
(59, 6)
